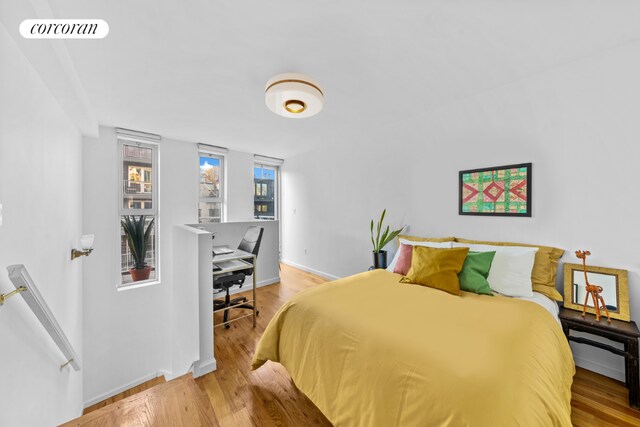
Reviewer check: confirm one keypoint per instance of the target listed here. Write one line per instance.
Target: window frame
(154, 211)
(222, 198)
(276, 188)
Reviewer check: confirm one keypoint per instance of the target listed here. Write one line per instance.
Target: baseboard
(310, 270)
(599, 368)
(208, 366)
(125, 387)
(266, 282)
(260, 284)
(168, 375)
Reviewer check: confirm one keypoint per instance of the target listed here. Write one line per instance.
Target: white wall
(192, 341)
(577, 123)
(40, 190)
(239, 193)
(128, 333)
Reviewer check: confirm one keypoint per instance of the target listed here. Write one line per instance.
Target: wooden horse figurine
(592, 290)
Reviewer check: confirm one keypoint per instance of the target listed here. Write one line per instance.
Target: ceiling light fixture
(294, 95)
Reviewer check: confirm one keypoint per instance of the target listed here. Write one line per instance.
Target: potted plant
(138, 239)
(379, 242)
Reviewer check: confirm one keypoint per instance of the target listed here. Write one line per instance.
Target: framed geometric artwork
(496, 191)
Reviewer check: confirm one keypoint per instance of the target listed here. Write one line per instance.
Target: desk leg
(255, 301)
(633, 374)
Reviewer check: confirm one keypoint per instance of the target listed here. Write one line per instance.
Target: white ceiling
(196, 70)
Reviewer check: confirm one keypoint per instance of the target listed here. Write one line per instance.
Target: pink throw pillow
(404, 260)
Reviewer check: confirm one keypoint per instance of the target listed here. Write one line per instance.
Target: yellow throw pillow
(545, 266)
(436, 268)
(425, 239)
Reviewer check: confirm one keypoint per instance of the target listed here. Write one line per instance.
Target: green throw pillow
(474, 273)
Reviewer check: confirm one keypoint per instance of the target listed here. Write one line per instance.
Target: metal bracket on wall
(4, 297)
(65, 364)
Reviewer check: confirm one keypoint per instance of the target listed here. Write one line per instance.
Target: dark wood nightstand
(626, 333)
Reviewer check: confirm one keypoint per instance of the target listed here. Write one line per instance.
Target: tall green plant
(138, 238)
(378, 241)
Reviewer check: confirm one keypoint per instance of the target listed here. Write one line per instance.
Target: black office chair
(250, 243)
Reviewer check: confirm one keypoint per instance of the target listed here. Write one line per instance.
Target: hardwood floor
(177, 403)
(267, 397)
(600, 401)
(128, 393)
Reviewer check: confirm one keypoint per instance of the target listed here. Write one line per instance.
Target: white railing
(25, 287)
(209, 189)
(210, 219)
(126, 258)
(269, 217)
(127, 262)
(137, 187)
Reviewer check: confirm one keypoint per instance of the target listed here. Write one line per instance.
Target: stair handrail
(28, 290)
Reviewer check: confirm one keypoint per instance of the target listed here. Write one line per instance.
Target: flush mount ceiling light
(294, 95)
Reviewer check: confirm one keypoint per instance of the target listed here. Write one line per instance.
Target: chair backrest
(251, 243)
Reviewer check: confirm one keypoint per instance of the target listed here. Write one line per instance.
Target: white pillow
(510, 272)
(391, 266)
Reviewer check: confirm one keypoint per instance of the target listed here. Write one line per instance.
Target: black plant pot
(380, 259)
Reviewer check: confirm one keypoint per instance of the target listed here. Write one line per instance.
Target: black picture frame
(527, 214)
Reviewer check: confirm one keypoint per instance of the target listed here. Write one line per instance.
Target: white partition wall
(192, 326)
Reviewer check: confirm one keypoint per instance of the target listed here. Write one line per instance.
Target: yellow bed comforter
(369, 351)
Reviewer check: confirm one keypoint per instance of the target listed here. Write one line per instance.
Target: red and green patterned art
(503, 190)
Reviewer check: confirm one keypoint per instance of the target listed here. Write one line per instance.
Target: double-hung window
(211, 203)
(138, 211)
(266, 190)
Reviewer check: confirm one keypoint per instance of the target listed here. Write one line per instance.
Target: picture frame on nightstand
(615, 289)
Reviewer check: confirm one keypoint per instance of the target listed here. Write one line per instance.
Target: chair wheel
(227, 326)
(257, 312)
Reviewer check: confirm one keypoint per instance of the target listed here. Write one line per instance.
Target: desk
(236, 261)
(626, 333)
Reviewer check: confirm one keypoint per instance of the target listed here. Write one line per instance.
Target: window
(138, 211)
(139, 204)
(210, 207)
(261, 189)
(265, 198)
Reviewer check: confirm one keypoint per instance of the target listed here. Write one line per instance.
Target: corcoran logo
(64, 29)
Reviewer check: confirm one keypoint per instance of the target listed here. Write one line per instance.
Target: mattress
(369, 351)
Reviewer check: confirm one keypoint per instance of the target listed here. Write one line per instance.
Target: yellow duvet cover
(370, 351)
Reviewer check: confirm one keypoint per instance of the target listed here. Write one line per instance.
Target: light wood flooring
(177, 403)
(267, 397)
(125, 394)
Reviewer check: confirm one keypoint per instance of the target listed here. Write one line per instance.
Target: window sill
(132, 286)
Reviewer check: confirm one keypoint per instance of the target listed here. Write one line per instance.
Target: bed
(369, 351)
